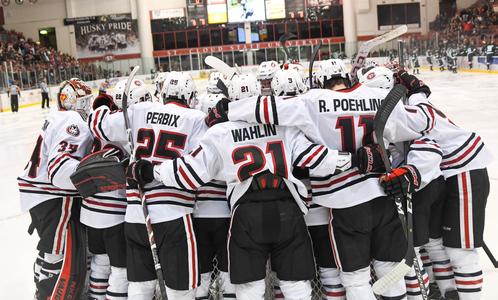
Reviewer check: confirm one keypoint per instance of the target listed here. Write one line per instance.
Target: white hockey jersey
(340, 120)
(104, 210)
(62, 142)
(161, 133)
(462, 150)
(236, 151)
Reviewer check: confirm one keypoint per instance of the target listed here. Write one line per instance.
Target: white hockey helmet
(74, 94)
(295, 65)
(377, 77)
(212, 83)
(288, 83)
(243, 86)
(267, 70)
(179, 86)
(159, 81)
(209, 101)
(331, 68)
(138, 92)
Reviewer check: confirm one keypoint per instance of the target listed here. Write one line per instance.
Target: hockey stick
(219, 65)
(313, 57)
(366, 47)
(380, 120)
(490, 254)
(148, 223)
(283, 39)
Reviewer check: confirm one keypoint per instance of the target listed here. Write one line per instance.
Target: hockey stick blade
(366, 47)
(313, 57)
(382, 115)
(395, 275)
(219, 65)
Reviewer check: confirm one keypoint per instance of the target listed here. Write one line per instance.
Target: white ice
(470, 100)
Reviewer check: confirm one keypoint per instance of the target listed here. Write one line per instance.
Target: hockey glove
(369, 159)
(140, 171)
(218, 114)
(401, 181)
(104, 99)
(412, 83)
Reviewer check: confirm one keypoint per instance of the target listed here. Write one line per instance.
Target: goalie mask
(179, 86)
(212, 87)
(138, 92)
(288, 83)
(377, 77)
(329, 69)
(76, 95)
(243, 86)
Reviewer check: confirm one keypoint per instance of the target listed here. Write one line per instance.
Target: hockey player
(159, 82)
(489, 50)
(266, 72)
(266, 199)
(470, 51)
(162, 131)
(429, 56)
(50, 197)
(440, 59)
(415, 62)
(332, 116)
(451, 59)
(104, 213)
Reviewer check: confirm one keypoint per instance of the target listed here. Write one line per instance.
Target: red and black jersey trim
(455, 152)
(200, 182)
(429, 114)
(162, 202)
(256, 112)
(300, 156)
(103, 211)
(263, 115)
(464, 154)
(314, 180)
(274, 110)
(426, 145)
(177, 178)
(319, 159)
(42, 188)
(56, 163)
(95, 124)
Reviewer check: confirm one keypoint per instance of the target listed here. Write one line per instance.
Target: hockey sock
(143, 290)
(180, 294)
(413, 289)
(277, 292)
(357, 284)
(37, 266)
(254, 290)
(99, 276)
(202, 291)
(296, 290)
(396, 291)
(331, 284)
(443, 272)
(226, 286)
(468, 273)
(427, 264)
(118, 284)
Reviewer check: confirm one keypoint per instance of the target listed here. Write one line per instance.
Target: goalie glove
(401, 181)
(140, 172)
(369, 159)
(412, 83)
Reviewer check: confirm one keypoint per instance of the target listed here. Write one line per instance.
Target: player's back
(64, 134)
(163, 132)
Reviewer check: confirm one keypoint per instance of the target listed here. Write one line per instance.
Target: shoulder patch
(73, 130)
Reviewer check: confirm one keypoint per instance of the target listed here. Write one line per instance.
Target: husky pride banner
(104, 36)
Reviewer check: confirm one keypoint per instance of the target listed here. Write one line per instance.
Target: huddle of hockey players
(260, 168)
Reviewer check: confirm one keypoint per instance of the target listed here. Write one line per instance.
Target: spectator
(14, 93)
(44, 94)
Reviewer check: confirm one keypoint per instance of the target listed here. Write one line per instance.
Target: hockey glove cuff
(401, 181)
(344, 162)
(369, 159)
(218, 114)
(412, 83)
(140, 171)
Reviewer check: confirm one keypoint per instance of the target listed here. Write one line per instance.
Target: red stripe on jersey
(95, 130)
(265, 107)
(57, 161)
(185, 176)
(105, 204)
(310, 158)
(168, 194)
(129, 195)
(466, 210)
(335, 181)
(478, 139)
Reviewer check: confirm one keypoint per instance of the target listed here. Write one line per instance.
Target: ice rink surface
(470, 100)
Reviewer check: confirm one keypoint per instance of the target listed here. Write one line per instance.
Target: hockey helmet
(288, 83)
(76, 95)
(377, 77)
(243, 86)
(329, 69)
(138, 92)
(179, 86)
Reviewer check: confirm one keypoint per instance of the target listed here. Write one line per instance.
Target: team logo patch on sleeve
(73, 130)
